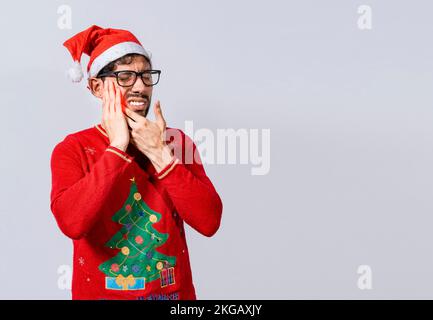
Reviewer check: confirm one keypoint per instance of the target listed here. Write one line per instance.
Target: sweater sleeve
(79, 198)
(191, 191)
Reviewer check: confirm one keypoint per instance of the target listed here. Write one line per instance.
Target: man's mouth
(137, 104)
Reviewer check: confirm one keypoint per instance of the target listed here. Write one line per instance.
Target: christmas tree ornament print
(137, 261)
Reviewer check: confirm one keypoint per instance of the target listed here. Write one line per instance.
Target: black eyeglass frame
(137, 74)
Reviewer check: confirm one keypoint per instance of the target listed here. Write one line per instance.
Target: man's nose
(139, 85)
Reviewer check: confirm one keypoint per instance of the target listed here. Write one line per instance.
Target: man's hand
(113, 119)
(148, 137)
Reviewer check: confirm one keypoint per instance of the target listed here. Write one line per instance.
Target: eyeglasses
(127, 78)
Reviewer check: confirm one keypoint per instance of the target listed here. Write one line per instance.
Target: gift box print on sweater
(138, 261)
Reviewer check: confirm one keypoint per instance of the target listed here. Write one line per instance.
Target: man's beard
(144, 112)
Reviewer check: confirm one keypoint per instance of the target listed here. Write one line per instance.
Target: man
(121, 189)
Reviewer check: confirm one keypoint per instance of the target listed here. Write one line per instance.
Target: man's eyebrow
(141, 70)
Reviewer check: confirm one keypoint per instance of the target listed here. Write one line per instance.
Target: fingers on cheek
(135, 134)
(140, 130)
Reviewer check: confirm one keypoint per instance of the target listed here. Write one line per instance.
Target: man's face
(138, 97)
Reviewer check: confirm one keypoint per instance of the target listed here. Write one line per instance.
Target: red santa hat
(103, 46)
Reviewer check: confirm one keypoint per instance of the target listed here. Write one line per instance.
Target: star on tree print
(137, 262)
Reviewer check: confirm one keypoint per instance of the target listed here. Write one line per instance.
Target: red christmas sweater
(126, 220)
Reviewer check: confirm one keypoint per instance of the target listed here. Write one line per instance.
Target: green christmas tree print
(138, 262)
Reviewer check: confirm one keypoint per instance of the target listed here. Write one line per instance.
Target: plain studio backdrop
(351, 158)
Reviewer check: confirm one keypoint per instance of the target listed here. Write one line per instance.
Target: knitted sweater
(126, 220)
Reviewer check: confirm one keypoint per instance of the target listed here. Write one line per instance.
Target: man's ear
(96, 86)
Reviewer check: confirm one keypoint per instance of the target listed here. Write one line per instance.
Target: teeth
(136, 103)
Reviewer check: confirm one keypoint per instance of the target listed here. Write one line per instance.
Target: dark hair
(126, 59)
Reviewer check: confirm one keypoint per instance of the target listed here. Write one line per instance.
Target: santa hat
(103, 46)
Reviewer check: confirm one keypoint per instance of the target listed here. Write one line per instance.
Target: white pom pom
(75, 73)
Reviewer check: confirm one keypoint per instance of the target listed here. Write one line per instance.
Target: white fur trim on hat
(75, 73)
(115, 52)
